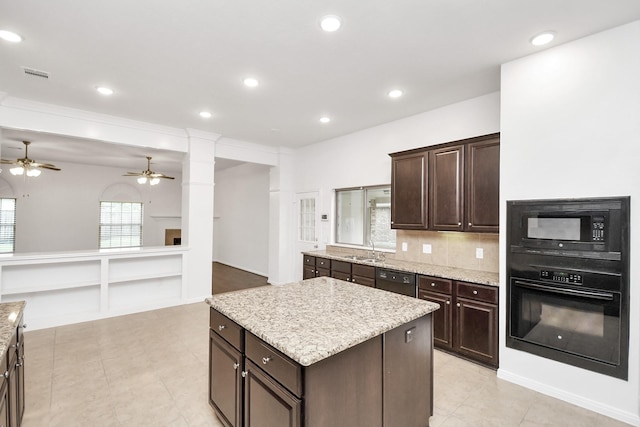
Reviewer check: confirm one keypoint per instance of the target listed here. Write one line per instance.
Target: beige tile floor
(150, 369)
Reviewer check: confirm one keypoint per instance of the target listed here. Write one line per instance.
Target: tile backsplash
(451, 249)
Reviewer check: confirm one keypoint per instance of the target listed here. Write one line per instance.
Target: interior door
(307, 226)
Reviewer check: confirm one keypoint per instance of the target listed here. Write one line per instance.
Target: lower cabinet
(12, 396)
(315, 267)
(4, 392)
(467, 322)
(253, 384)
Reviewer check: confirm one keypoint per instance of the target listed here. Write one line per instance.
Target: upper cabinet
(409, 179)
(448, 187)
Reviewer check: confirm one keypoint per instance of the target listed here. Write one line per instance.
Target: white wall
(361, 158)
(241, 217)
(571, 128)
(60, 211)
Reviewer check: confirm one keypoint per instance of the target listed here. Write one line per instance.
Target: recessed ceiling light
(205, 114)
(10, 36)
(543, 38)
(395, 93)
(250, 82)
(330, 23)
(325, 119)
(104, 90)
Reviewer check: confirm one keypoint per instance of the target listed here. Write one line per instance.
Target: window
(363, 217)
(7, 225)
(120, 224)
(307, 220)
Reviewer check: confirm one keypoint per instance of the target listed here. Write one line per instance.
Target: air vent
(35, 73)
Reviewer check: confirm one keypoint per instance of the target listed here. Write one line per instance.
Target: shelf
(145, 277)
(50, 288)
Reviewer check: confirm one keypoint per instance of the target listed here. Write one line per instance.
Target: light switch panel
(404, 246)
(426, 248)
(479, 253)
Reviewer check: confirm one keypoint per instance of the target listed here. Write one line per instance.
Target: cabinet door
(409, 180)
(341, 276)
(225, 381)
(447, 190)
(267, 403)
(483, 186)
(477, 330)
(308, 272)
(365, 281)
(442, 318)
(13, 388)
(20, 371)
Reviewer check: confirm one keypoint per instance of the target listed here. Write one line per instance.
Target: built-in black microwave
(569, 226)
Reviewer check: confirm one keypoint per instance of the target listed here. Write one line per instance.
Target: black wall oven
(571, 304)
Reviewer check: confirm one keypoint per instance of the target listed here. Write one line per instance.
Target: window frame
(111, 236)
(365, 217)
(8, 225)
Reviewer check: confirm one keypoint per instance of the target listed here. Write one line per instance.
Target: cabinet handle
(221, 327)
(236, 366)
(433, 284)
(244, 374)
(458, 304)
(19, 365)
(6, 374)
(470, 224)
(266, 360)
(459, 224)
(475, 292)
(448, 302)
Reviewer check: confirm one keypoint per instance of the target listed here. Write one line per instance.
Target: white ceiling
(169, 60)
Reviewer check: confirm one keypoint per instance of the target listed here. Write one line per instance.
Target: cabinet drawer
(435, 284)
(341, 276)
(365, 281)
(323, 263)
(280, 367)
(363, 270)
(341, 266)
(477, 292)
(309, 260)
(227, 329)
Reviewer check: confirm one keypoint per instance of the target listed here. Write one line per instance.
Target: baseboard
(592, 405)
(243, 268)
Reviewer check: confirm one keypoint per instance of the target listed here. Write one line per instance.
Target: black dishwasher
(396, 281)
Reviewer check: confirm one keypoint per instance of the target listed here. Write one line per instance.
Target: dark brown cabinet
(467, 322)
(226, 364)
(447, 189)
(476, 322)
(4, 392)
(461, 192)
(409, 190)
(315, 267)
(483, 185)
(15, 377)
(363, 275)
(347, 388)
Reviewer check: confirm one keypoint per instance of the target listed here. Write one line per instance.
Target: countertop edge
(10, 313)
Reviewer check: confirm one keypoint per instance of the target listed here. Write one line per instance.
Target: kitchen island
(320, 352)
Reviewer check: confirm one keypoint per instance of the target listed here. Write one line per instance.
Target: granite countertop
(10, 313)
(475, 276)
(316, 318)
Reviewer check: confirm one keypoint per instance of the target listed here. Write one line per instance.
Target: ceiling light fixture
(104, 90)
(205, 114)
(543, 38)
(330, 23)
(250, 82)
(325, 119)
(153, 178)
(26, 165)
(395, 93)
(10, 36)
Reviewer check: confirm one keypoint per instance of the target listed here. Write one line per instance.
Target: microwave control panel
(561, 276)
(597, 229)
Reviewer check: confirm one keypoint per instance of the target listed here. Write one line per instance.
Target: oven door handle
(603, 296)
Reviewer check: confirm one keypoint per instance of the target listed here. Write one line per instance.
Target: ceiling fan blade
(8, 162)
(159, 175)
(133, 174)
(45, 166)
(166, 177)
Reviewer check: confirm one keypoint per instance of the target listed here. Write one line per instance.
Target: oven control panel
(561, 276)
(597, 229)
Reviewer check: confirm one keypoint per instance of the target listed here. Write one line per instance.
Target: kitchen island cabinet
(12, 390)
(321, 352)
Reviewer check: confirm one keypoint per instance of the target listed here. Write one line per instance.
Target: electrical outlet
(426, 248)
(404, 246)
(479, 253)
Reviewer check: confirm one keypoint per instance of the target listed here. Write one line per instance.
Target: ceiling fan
(148, 175)
(27, 165)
